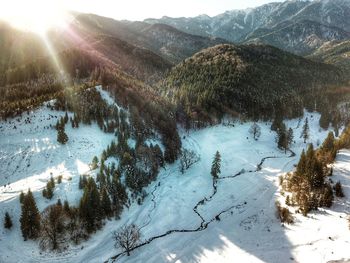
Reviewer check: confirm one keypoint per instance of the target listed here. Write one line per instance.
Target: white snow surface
(248, 232)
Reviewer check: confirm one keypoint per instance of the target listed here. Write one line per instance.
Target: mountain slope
(336, 53)
(322, 21)
(256, 80)
(138, 62)
(26, 56)
(17, 47)
(163, 40)
(301, 37)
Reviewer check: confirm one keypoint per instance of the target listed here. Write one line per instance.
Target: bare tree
(53, 222)
(187, 159)
(76, 227)
(255, 130)
(127, 237)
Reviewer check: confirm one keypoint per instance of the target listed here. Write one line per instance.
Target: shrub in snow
(7, 221)
(187, 159)
(338, 189)
(255, 130)
(284, 214)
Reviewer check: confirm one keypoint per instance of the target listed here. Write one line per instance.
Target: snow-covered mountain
(163, 141)
(305, 25)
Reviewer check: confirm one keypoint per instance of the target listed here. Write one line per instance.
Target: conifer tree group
(30, 217)
(62, 137)
(308, 183)
(90, 206)
(284, 137)
(48, 191)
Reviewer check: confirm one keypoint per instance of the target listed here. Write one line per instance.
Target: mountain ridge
(237, 25)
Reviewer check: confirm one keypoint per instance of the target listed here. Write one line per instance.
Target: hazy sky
(39, 15)
(141, 9)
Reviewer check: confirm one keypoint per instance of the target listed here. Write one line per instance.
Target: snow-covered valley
(183, 219)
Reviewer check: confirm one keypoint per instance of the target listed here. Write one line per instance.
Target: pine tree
(338, 190)
(104, 156)
(325, 119)
(21, 197)
(106, 204)
(305, 133)
(81, 182)
(66, 207)
(102, 179)
(216, 165)
(314, 171)
(290, 137)
(288, 200)
(157, 152)
(282, 141)
(327, 196)
(90, 206)
(57, 126)
(118, 194)
(30, 217)
(66, 118)
(328, 144)
(52, 182)
(45, 193)
(48, 191)
(59, 179)
(62, 137)
(277, 122)
(94, 163)
(301, 167)
(7, 221)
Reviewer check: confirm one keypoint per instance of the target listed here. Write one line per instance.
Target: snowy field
(246, 229)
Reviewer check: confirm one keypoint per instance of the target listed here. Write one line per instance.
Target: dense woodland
(254, 80)
(31, 84)
(158, 115)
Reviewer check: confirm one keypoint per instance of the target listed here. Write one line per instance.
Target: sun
(34, 15)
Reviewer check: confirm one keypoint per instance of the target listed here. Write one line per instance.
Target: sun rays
(37, 16)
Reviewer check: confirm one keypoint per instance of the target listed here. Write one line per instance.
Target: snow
(247, 232)
(106, 96)
(29, 156)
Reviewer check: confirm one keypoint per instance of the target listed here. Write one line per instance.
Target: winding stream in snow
(204, 224)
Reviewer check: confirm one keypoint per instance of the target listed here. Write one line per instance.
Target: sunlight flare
(37, 16)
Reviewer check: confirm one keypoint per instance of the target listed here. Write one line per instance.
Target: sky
(141, 9)
(39, 15)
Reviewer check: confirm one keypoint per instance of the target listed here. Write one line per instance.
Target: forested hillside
(257, 80)
(170, 43)
(336, 53)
